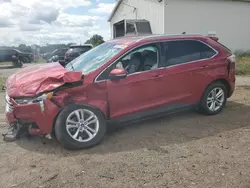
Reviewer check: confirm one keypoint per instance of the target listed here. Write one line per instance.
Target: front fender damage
(36, 118)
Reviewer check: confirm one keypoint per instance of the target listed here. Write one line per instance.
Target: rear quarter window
(184, 51)
(223, 46)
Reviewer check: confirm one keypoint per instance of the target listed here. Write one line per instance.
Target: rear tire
(214, 99)
(73, 131)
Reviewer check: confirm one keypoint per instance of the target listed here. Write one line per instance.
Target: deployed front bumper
(41, 114)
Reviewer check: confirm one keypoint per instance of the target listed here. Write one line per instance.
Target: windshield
(18, 51)
(54, 51)
(94, 58)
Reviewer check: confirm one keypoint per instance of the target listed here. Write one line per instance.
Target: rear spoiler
(214, 38)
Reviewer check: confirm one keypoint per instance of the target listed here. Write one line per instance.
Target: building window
(130, 28)
(143, 27)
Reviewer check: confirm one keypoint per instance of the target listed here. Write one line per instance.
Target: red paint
(33, 80)
(36, 132)
(116, 98)
(33, 113)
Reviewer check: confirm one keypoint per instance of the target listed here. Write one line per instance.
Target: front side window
(140, 59)
(179, 52)
(94, 58)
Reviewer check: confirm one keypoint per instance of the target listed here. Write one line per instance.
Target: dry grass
(9, 63)
(243, 65)
(2, 81)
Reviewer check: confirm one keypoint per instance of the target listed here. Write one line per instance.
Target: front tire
(80, 127)
(214, 99)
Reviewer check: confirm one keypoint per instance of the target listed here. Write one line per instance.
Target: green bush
(2, 81)
(243, 65)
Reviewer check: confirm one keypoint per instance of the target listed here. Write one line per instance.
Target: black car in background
(49, 55)
(57, 51)
(76, 50)
(6, 55)
(57, 55)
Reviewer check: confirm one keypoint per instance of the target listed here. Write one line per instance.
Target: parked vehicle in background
(126, 79)
(53, 59)
(48, 55)
(16, 62)
(76, 50)
(6, 55)
(24, 56)
(58, 55)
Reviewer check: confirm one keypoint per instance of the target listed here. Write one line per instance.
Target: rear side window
(62, 51)
(184, 51)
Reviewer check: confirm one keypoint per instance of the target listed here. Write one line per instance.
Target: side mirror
(117, 73)
(70, 77)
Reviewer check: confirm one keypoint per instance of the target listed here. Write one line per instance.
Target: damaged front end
(36, 115)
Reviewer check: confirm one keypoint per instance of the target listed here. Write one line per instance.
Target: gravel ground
(181, 150)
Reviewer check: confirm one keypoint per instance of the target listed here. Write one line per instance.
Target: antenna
(134, 8)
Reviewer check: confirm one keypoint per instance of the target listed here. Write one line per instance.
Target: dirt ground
(181, 150)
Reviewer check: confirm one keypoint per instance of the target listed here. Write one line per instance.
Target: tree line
(95, 40)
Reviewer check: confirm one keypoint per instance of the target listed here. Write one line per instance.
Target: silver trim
(122, 74)
(153, 42)
(167, 35)
(77, 122)
(215, 99)
(9, 106)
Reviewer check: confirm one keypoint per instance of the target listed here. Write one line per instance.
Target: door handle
(158, 76)
(204, 66)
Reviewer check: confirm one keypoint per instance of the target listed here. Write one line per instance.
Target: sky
(53, 21)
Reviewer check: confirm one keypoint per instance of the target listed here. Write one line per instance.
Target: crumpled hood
(36, 79)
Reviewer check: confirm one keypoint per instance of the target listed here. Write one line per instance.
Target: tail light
(231, 60)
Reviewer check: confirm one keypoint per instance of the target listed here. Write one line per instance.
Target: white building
(229, 20)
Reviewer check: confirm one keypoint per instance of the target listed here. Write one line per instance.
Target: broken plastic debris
(12, 134)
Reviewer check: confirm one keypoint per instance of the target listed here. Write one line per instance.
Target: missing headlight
(24, 100)
(34, 99)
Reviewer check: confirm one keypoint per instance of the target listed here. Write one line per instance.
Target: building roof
(114, 9)
(120, 1)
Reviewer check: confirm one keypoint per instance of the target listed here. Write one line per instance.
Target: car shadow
(171, 129)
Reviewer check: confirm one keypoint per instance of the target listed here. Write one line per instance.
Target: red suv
(121, 80)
